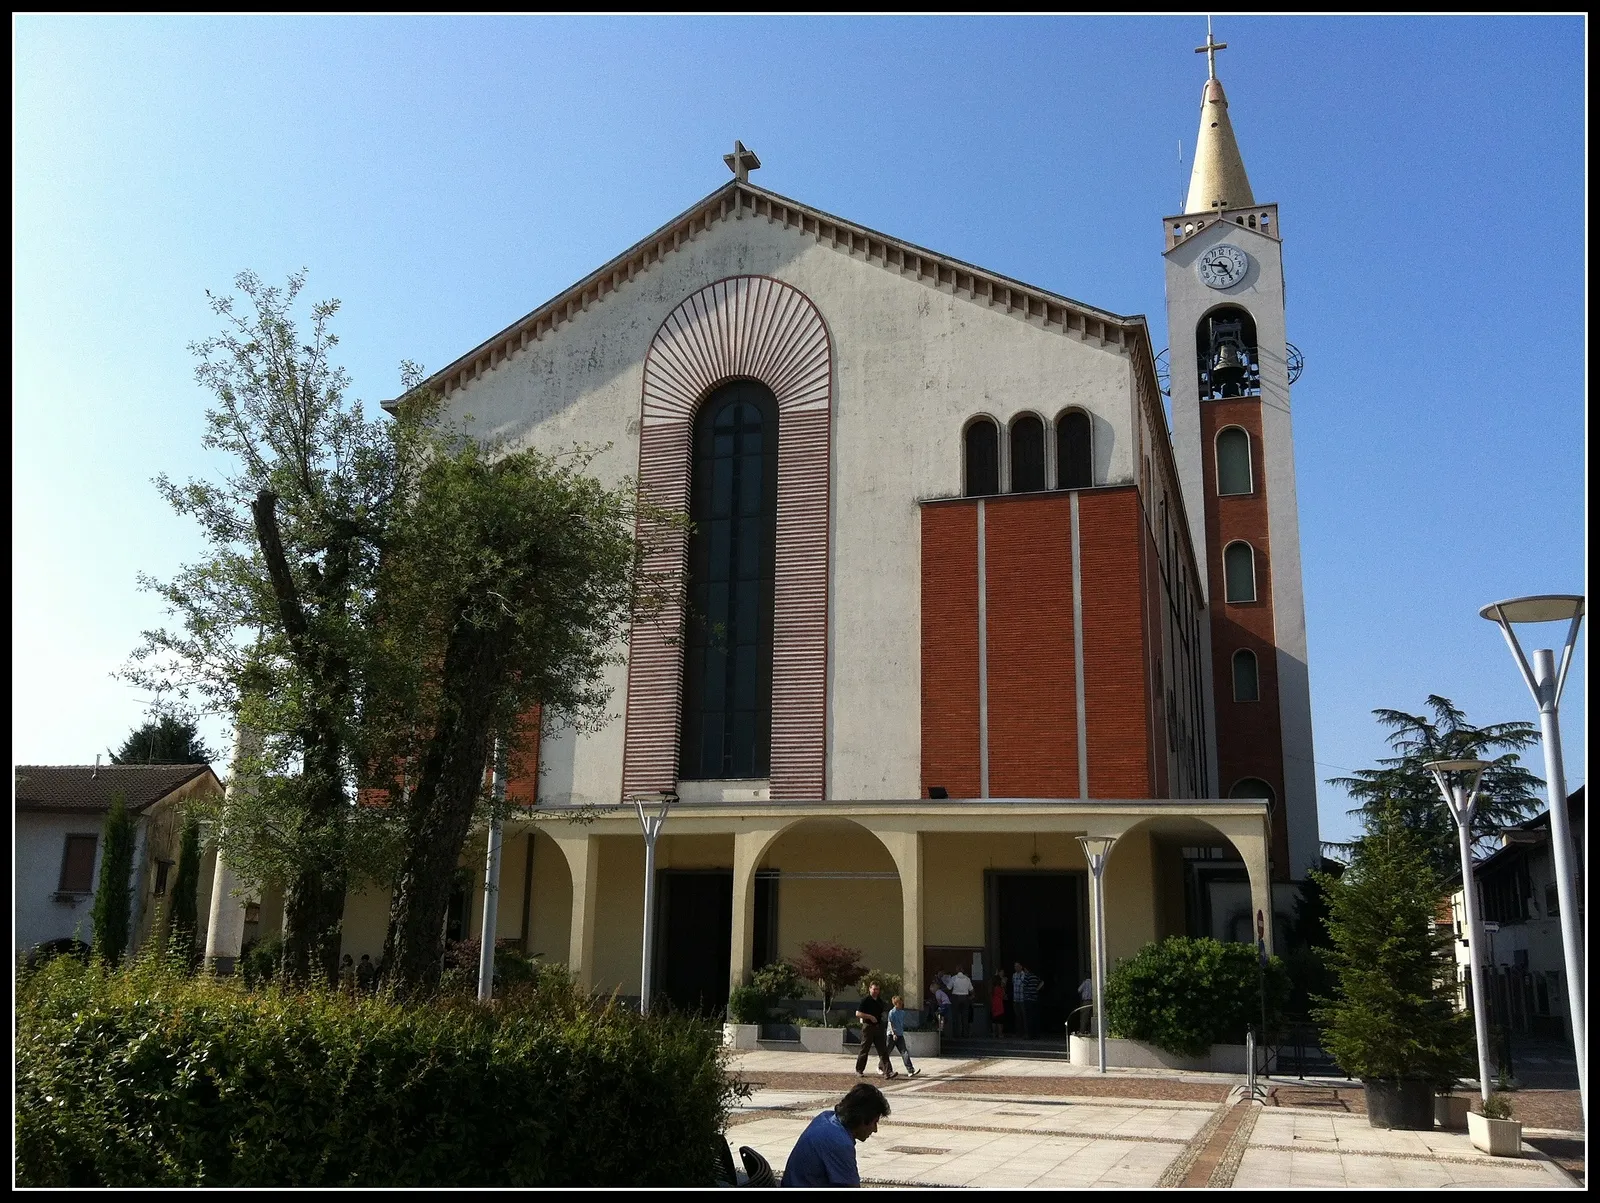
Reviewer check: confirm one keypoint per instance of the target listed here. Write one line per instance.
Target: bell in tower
(1227, 353)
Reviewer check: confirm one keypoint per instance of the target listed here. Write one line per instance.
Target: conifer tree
(113, 899)
(186, 889)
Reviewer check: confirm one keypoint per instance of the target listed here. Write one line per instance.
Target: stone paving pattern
(1003, 1123)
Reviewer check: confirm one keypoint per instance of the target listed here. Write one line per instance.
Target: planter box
(922, 1044)
(1450, 1111)
(780, 1031)
(1136, 1054)
(1496, 1137)
(822, 1040)
(740, 1035)
(1403, 1105)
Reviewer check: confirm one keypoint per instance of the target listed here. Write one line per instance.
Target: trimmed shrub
(888, 983)
(748, 1004)
(259, 963)
(1184, 995)
(184, 920)
(778, 980)
(144, 1076)
(113, 895)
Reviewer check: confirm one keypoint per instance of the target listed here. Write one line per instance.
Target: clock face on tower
(1223, 266)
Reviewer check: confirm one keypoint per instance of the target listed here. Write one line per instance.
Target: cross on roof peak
(741, 162)
(1210, 49)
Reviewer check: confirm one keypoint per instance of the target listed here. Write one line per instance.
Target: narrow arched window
(1246, 677)
(1233, 461)
(983, 459)
(1074, 451)
(1239, 569)
(733, 503)
(1027, 454)
(1253, 787)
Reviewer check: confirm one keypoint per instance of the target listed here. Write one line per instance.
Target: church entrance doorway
(695, 926)
(1039, 919)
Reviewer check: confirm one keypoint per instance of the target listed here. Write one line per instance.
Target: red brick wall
(1033, 705)
(1249, 734)
(950, 648)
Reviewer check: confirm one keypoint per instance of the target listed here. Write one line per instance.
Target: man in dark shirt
(825, 1154)
(870, 1012)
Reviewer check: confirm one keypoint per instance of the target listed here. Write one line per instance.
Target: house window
(1027, 454)
(733, 503)
(1246, 678)
(1239, 568)
(983, 459)
(163, 867)
(77, 864)
(1233, 462)
(1074, 450)
(1552, 901)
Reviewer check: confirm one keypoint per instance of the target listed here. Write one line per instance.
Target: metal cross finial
(1210, 49)
(741, 162)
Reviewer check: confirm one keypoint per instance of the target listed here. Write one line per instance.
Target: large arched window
(1225, 350)
(1239, 569)
(983, 459)
(1253, 787)
(1233, 461)
(733, 503)
(1074, 450)
(1246, 677)
(1027, 454)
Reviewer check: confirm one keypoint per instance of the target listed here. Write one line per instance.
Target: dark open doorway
(695, 922)
(1038, 918)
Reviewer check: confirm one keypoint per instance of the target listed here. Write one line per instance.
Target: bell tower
(1230, 368)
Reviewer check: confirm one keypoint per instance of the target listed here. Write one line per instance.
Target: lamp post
(1095, 850)
(491, 878)
(651, 824)
(1458, 782)
(1546, 681)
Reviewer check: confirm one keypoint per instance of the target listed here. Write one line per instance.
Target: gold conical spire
(1218, 179)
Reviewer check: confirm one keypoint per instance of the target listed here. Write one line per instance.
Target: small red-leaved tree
(832, 966)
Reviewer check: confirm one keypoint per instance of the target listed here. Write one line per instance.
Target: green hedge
(1185, 995)
(143, 1076)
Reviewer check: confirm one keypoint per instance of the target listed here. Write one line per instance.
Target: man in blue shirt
(825, 1154)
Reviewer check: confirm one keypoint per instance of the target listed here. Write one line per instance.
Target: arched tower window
(983, 459)
(1225, 349)
(1239, 570)
(1233, 462)
(733, 503)
(1074, 450)
(1027, 454)
(1253, 787)
(1246, 677)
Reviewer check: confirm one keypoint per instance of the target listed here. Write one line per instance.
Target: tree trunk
(441, 806)
(314, 902)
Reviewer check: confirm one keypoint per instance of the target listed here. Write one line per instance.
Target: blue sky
(442, 176)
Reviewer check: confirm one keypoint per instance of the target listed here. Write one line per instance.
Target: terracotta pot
(1400, 1104)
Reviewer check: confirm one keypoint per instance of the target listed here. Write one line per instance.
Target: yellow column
(906, 849)
(1250, 837)
(583, 863)
(748, 849)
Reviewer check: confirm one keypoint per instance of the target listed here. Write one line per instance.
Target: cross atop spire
(1210, 49)
(742, 162)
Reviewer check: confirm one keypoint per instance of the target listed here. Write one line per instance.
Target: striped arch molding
(758, 328)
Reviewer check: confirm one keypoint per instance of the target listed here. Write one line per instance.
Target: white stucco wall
(912, 363)
(40, 840)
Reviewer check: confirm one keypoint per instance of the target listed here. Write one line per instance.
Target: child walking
(897, 1035)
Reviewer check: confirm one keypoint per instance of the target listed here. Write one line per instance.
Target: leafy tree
(1393, 1015)
(113, 897)
(1185, 995)
(833, 967)
(506, 592)
(167, 739)
(185, 920)
(272, 626)
(1444, 734)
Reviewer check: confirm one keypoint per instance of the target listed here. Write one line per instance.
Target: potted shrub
(1184, 995)
(1392, 1021)
(1494, 1131)
(747, 1011)
(817, 1037)
(779, 981)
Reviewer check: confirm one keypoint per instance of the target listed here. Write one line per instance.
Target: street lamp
(1546, 683)
(1459, 783)
(491, 876)
(1095, 850)
(651, 823)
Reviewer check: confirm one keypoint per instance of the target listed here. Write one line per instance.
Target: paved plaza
(1001, 1123)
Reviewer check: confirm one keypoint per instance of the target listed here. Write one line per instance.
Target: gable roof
(90, 788)
(740, 198)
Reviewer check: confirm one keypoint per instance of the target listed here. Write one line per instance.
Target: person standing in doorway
(1085, 1006)
(997, 1005)
(1025, 998)
(870, 1012)
(941, 1005)
(961, 1001)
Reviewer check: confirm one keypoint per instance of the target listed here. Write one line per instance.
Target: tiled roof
(87, 787)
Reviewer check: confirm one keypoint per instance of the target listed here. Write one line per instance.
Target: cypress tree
(186, 890)
(113, 898)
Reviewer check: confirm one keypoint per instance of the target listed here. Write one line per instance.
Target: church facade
(952, 597)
